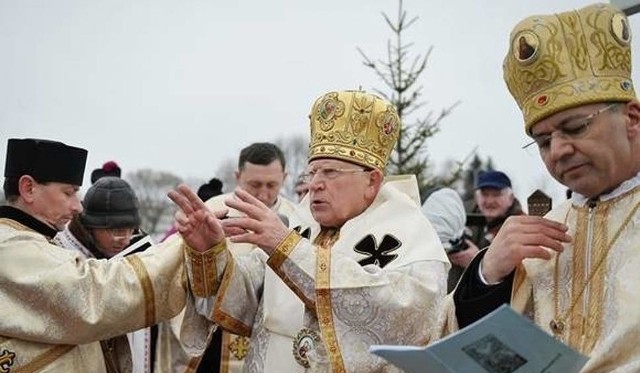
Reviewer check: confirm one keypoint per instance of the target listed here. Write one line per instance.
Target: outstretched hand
(197, 225)
(259, 226)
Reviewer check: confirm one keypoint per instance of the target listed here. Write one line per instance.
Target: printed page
(501, 342)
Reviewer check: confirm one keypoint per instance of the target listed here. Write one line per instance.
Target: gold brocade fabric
(384, 282)
(564, 60)
(601, 317)
(354, 126)
(327, 237)
(60, 305)
(235, 347)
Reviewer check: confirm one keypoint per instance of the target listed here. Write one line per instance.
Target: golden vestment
(588, 293)
(380, 280)
(139, 340)
(55, 306)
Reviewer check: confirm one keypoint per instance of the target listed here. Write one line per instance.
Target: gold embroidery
(323, 299)
(279, 256)
(221, 318)
(585, 324)
(147, 288)
(6, 360)
(239, 347)
(203, 269)
(283, 249)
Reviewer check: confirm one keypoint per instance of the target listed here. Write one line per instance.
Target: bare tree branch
(151, 187)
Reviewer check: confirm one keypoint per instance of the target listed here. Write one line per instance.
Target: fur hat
(45, 160)
(110, 203)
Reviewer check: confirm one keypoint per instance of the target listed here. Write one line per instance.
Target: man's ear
(26, 186)
(376, 178)
(632, 111)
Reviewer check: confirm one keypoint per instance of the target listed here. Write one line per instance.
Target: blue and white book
(501, 342)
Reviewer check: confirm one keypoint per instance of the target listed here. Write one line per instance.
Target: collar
(626, 186)
(10, 212)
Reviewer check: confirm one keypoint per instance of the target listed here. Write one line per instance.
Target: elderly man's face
(262, 181)
(494, 203)
(599, 157)
(339, 190)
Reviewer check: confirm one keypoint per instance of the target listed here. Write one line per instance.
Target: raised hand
(260, 226)
(197, 225)
(522, 237)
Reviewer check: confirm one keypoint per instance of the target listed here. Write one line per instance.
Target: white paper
(140, 245)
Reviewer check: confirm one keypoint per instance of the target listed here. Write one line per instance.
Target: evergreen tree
(400, 73)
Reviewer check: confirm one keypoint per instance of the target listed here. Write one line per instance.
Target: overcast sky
(180, 86)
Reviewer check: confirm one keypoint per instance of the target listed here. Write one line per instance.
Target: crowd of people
(251, 281)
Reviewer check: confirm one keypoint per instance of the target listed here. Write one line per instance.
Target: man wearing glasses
(357, 265)
(575, 271)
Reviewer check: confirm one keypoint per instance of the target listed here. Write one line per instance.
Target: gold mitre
(556, 62)
(354, 126)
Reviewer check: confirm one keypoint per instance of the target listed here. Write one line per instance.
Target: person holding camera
(445, 210)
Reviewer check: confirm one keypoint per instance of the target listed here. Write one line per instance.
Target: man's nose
(263, 194)
(76, 205)
(559, 147)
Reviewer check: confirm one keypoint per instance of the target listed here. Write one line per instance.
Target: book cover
(501, 342)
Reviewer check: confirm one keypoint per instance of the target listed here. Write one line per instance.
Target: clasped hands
(202, 229)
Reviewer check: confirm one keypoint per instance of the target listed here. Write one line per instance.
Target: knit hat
(110, 203)
(109, 168)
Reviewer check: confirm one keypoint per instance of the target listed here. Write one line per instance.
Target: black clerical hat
(45, 160)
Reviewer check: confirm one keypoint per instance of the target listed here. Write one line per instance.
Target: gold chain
(557, 323)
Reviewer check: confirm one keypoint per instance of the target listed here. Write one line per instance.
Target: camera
(458, 244)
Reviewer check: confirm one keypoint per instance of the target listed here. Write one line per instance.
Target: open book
(501, 342)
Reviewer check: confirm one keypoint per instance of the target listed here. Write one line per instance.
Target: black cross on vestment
(380, 255)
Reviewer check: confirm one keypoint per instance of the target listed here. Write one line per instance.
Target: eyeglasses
(120, 233)
(329, 173)
(570, 130)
